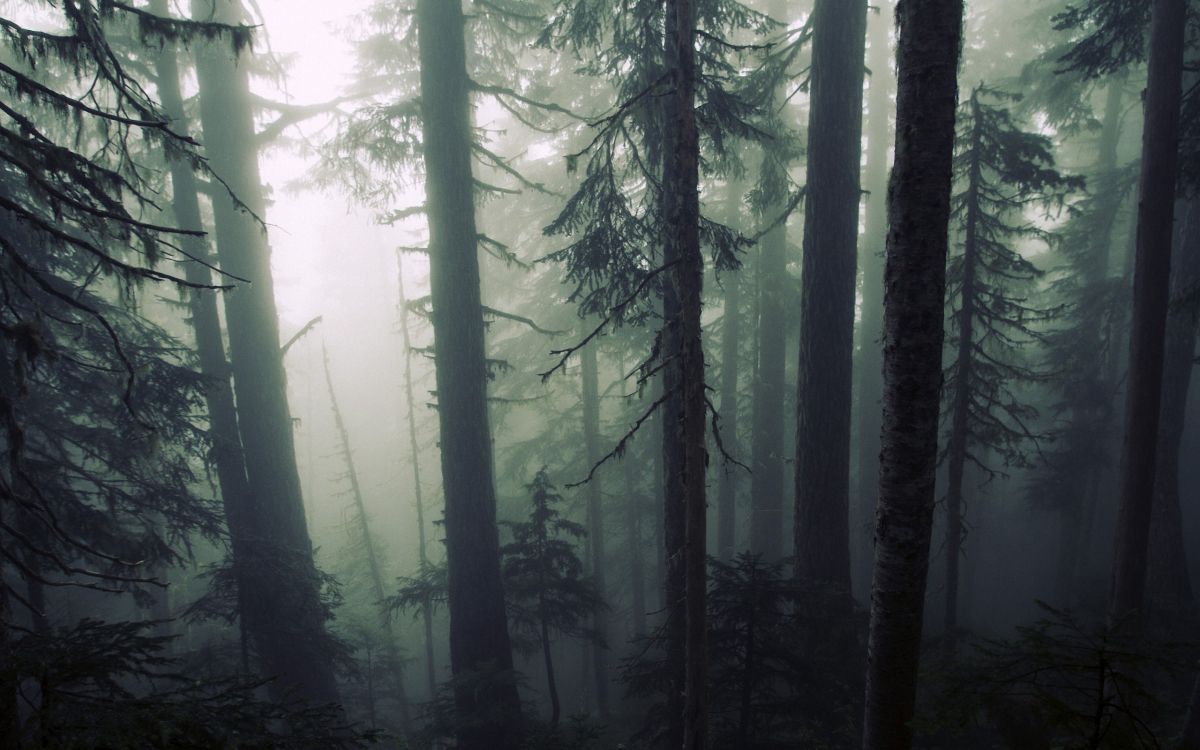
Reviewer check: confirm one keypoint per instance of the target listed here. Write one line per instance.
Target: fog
(585, 374)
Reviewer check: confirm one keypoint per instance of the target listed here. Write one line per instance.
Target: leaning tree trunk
(870, 358)
(488, 718)
(595, 518)
(956, 449)
(827, 302)
(915, 281)
(1151, 287)
(1170, 587)
(374, 569)
(415, 458)
(684, 434)
(281, 575)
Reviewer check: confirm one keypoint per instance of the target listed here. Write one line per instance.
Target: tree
(544, 582)
(1150, 297)
(595, 516)
(915, 278)
(827, 302)
(479, 638)
(278, 569)
(1002, 171)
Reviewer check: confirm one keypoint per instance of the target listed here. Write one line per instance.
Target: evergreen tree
(546, 590)
(1002, 172)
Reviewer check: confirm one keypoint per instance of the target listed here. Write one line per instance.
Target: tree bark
(827, 302)
(1170, 588)
(294, 649)
(595, 518)
(870, 360)
(479, 637)
(684, 447)
(1151, 286)
(915, 280)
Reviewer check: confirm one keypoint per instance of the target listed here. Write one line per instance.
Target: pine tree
(1002, 172)
(919, 211)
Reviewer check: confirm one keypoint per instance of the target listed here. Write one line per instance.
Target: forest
(597, 374)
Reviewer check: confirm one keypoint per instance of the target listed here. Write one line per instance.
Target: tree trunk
(870, 360)
(1151, 287)
(827, 302)
(956, 450)
(1190, 739)
(1170, 589)
(415, 458)
(684, 435)
(915, 281)
(295, 648)
(727, 478)
(551, 683)
(766, 481)
(368, 545)
(595, 518)
(633, 537)
(478, 627)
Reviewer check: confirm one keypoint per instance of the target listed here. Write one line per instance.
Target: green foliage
(544, 584)
(1002, 172)
(1060, 683)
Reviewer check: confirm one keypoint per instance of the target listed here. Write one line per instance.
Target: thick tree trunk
(827, 301)
(1151, 286)
(478, 627)
(956, 450)
(684, 434)
(915, 280)
(415, 459)
(727, 477)
(396, 664)
(1190, 739)
(1170, 588)
(595, 519)
(870, 260)
(295, 648)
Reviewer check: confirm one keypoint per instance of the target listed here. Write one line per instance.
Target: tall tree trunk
(368, 546)
(727, 478)
(1151, 287)
(548, 660)
(1190, 739)
(827, 301)
(915, 281)
(478, 625)
(870, 360)
(684, 447)
(766, 480)
(595, 518)
(956, 450)
(295, 648)
(1170, 588)
(415, 459)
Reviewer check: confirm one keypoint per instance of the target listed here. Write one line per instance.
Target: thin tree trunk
(727, 478)
(415, 459)
(478, 626)
(915, 281)
(294, 648)
(551, 683)
(870, 360)
(956, 451)
(595, 518)
(1170, 588)
(1151, 286)
(827, 301)
(368, 546)
(684, 439)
